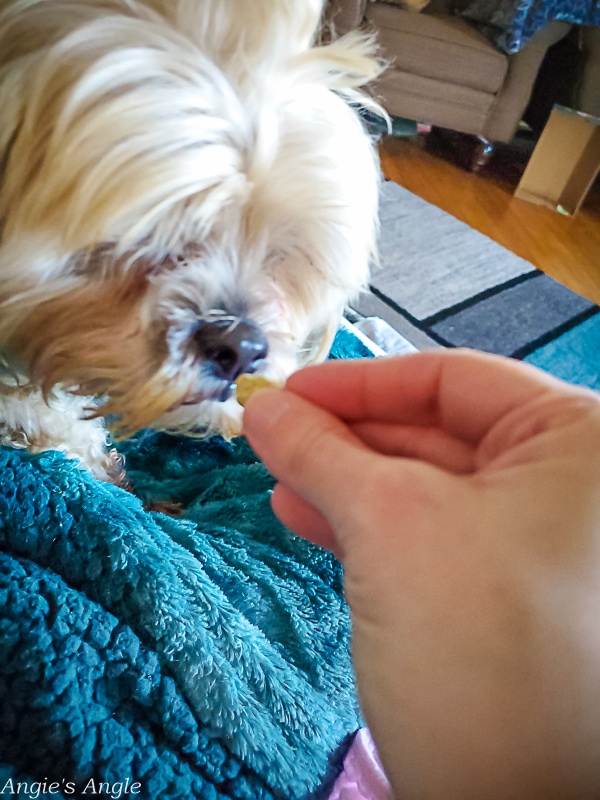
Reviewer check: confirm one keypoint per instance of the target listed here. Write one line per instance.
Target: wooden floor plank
(567, 249)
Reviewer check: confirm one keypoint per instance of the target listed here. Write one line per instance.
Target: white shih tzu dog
(187, 193)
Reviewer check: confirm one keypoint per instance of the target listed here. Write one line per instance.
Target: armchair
(444, 72)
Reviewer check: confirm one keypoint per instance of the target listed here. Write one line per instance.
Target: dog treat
(247, 384)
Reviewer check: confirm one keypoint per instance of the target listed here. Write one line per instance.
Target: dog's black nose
(232, 347)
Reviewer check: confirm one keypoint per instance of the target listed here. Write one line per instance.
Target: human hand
(462, 493)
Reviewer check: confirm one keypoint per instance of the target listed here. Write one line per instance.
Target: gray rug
(442, 283)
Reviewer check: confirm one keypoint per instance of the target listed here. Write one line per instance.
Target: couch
(444, 72)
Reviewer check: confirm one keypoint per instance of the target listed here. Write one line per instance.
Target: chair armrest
(550, 34)
(523, 68)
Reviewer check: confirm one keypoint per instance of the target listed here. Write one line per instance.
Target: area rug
(204, 656)
(441, 283)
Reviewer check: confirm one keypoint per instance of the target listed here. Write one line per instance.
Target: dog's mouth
(218, 395)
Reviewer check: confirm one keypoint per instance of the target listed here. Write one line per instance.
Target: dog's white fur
(162, 161)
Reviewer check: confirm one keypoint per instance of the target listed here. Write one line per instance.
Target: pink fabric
(363, 777)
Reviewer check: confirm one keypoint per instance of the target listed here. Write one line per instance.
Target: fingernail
(265, 408)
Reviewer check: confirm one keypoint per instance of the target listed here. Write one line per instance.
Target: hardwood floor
(566, 248)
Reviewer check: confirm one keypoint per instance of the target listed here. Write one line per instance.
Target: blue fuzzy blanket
(510, 24)
(141, 655)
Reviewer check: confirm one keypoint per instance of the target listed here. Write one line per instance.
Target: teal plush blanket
(205, 656)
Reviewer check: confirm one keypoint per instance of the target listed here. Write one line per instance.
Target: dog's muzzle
(229, 348)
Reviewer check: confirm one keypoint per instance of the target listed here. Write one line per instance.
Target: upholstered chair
(444, 72)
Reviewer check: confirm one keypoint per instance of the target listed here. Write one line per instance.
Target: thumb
(313, 453)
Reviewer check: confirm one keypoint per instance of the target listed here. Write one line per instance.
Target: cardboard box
(565, 162)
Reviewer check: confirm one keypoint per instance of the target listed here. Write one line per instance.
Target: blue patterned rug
(441, 283)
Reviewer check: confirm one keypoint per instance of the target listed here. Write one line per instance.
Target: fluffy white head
(167, 164)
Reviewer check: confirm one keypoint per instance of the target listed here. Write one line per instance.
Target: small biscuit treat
(247, 384)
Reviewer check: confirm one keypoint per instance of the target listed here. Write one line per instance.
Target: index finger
(312, 452)
(464, 392)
